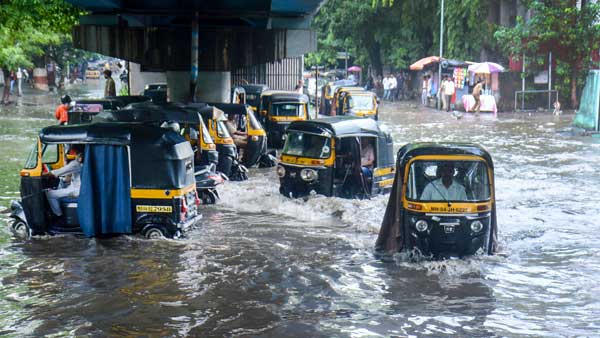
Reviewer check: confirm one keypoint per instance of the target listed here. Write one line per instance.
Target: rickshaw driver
(445, 187)
(72, 188)
(240, 138)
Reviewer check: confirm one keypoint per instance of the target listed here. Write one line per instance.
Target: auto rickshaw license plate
(449, 228)
(153, 208)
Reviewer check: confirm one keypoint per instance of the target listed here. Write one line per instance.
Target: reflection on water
(261, 265)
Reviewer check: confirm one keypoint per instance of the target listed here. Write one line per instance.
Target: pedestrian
(386, 87)
(449, 90)
(477, 96)
(13, 78)
(62, 111)
(424, 91)
(6, 92)
(429, 86)
(393, 87)
(441, 92)
(400, 88)
(370, 83)
(299, 87)
(19, 81)
(109, 86)
(84, 66)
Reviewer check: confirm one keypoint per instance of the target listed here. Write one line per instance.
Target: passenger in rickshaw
(70, 181)
(367, 157)
(445, 188)
(240, 137)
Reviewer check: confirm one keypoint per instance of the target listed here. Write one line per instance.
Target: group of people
(447, 90)
(13, 79)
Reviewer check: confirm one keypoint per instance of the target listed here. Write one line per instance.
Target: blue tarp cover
(104, 205)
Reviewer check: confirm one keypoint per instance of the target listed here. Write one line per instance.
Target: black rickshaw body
(191, 123)
(157, 92)
(83, 110)
(323, 157)
(253, 93)
(248, 125)
(161, 180)
(437, 223)
(279, 109)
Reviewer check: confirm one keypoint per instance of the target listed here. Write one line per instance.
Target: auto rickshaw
(188, 124)
(253, 93)
(215, 120)
(157, 92)
(134, 178)
(84, 110)
(442, 202)
(359, 103)
(336, 156)
(327, 94)
(238, 95)
(280, 108)
(339, 95)
(253, 137)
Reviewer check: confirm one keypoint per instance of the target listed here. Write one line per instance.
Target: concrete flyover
(196, 42)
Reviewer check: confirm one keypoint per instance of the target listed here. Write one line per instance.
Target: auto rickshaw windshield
(222, 130)
(362, 102)
(254, 122)
(465, 181)
(206, 135)
(307, 145)
(288, 109)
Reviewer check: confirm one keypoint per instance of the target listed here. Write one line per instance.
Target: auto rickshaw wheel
(208, 197)
(21, 229)
(154, 232)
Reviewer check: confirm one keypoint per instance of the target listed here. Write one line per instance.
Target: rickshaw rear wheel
(21, 229)
(208, 197)
(154, 232)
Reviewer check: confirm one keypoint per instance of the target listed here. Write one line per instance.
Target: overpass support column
(213, 87)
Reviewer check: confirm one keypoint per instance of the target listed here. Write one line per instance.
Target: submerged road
(261, 265)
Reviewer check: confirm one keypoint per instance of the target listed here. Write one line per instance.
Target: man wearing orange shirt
(62, 110)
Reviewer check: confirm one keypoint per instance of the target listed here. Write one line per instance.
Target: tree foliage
(397, 33)
(560, 27)
(29, 27)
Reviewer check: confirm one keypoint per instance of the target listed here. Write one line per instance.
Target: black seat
(69, 208)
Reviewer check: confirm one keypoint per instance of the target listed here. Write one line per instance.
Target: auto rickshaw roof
(255, 88)
(339, 126)
(113, 133)
(350, 89)
(231, 108)
(412, 150)
(289, 97)
(153, 114)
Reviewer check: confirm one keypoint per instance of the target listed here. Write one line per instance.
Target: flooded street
(261, 265)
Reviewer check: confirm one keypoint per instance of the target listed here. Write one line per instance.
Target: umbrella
(485, 68)
(354, 69)
(424, 62)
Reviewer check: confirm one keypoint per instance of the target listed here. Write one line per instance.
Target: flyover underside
(169, 48)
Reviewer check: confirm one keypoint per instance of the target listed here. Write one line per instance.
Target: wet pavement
(261, 265)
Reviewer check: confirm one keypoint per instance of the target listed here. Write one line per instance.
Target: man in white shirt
(444, 188)
(71, 190)
(393, 86)
(386, 87)
(449, 90)
(19, 81)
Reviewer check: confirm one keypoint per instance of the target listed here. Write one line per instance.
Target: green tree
(570, 32)
(29, 27)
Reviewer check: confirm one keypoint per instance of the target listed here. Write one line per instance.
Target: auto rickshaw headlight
(254, 138)
(280, 171)
(309, 174)
(476, 226)
(421, 225)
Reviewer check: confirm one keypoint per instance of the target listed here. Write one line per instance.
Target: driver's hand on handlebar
(48, 174)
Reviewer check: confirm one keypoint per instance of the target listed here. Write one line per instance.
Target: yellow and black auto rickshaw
(358, 103)
(84, 110)
(336, 156)
(190, 125)
(249, 135)
(133, 178)
(340, 95)
(327, 95)
(253, 93)
(215, 119)
(442, 202)
(280, 108)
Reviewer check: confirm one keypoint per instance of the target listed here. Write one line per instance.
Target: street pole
(316, 91)
(439, 94)
(549, 80)
(346, 63)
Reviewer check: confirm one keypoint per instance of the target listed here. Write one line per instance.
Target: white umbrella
(485, 68)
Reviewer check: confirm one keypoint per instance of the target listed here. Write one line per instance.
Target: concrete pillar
(178, 86)
(138, 79)
(213, 87)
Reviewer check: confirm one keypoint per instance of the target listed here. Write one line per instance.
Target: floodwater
(261, 265)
